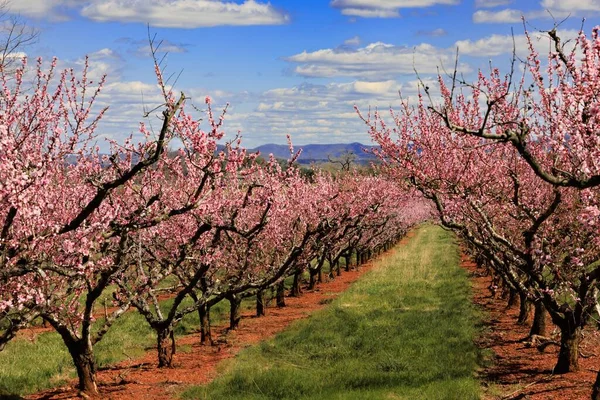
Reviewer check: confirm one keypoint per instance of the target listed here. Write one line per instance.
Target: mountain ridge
(319, 152)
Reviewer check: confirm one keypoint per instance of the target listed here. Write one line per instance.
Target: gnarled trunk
(512, 298)
(280, 296)
(296, 291)
(82, 354)
(204, 315)
(348, 259)
(165, 344)
(260, 303)
(538, 327)
(568, 355)
(234, 311)
(596, 388)
(524, 308)
(313, 279)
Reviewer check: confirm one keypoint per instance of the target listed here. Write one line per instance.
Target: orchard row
(142, 224)
(512, 164)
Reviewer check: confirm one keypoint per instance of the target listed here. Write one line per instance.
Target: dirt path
(519, 372)
(141, 379)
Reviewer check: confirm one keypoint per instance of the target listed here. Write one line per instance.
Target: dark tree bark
(280, 294)
(234, 311)
(205, 333)
(596, 388)
(538, 327)
(260, 303)
(524, 308)
(296, 290)
(312, 279)
(568, 355)
(348, 259)
(165, 340)
(85, 364)
(512, 298)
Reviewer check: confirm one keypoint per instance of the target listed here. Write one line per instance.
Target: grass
(405, 330)
(31, 365)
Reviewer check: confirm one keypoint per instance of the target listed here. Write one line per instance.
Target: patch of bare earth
(142, 379)
(521, 372)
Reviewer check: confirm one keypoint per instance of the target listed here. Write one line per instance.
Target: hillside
(319, 152)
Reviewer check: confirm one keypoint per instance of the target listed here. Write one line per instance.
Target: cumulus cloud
(547, 9)
(54, 10)
(375, 61)
(571, 5)
(503, 16)
(159, 13)
(354, 41)
(494, 45)
(383, 8)
(324, 112)
(370, 12)
(491, 3)
(185, 13)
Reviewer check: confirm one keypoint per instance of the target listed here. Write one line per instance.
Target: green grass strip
(31, 365)
(405, 330)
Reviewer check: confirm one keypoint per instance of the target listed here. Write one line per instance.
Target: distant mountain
(319, 152)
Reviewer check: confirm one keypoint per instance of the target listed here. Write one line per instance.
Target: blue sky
(285, 66)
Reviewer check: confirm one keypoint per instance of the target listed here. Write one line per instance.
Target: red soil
(142, 379)
(519, 372)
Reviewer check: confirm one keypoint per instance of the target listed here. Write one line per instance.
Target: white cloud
(185, 13)
(48, 9)
(504, 16)
(547, 9)
(494, 45)
(354, 41)
(375, 61)
(393, 4)
(571, 5)
(383, 8)
(491, 3)
(491, 46)
(370, 13)
(323, 113)
(158, 13)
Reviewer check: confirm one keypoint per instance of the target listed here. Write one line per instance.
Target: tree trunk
(524, 308)
(234, 311)
(313, 281)
(296, 290)
(348, 261)
(204, 315)
(260, 303)
(512, 298)
(320, 274)
(82, 354)
(165, 341)
(539, 319)
(280, 296)
(568, 356)
(596, 388)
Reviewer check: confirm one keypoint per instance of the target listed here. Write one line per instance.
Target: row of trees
(140, 223)
(512, 165)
